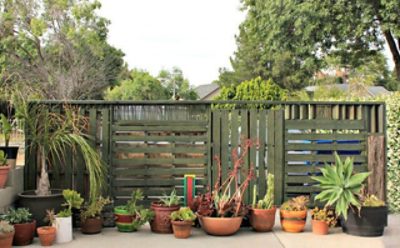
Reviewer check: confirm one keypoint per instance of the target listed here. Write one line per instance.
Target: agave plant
(340, 186)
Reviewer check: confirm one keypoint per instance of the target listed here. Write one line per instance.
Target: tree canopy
(176, 85)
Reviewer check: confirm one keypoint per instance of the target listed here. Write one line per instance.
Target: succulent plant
(324, 215)
(268, 201)
(298, 203)
(6, 227)
(372, 201)
(171, 200)
(183, 214)
(17, 216)
(3, 158)
(93, 209)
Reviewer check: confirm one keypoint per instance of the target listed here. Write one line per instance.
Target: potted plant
(6, 234)
(161, 223)
(11, 152)
(322, 220)
(49, 133)
(361, 216)
(47, 234)
(182, 222)
(131, 216)
(262, 213)
(63, 220)
(294, 214)
(23, 223)
(91, 219)
(220, 211)
(4, 169)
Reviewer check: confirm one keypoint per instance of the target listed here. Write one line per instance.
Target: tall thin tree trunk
(394, 49)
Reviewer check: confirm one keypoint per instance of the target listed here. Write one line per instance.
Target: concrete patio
(110, 237)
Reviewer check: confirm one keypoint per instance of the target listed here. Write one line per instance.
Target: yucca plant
(340, 186)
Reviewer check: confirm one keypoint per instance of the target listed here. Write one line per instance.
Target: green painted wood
(152, 182)
(182, 128)
(253, 129)
(170, 123)
(216, 144)
(321, 158)
(126, 192)
(92, 126)
(79, 168)
(163, 149)
(105, 145)
(302, 189)
(324, 124)
(271, 165)
(209, 148)
(262, 185)
(299, 179)
(244, 114)
(225, 143)
(279, 155)
(320, 136)
(235, 135)
(290, 168)
(159, 171)
(325, 147)
(182, 138)
(158, 161)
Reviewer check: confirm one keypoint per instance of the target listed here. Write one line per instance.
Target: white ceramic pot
(64, 229)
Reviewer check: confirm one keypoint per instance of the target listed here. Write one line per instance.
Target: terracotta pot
(293, 221)
(161, 222)
(47, 235)
(6, 239)
(262, 220)
(182, 229)
(4, 175)
(320, 227)
(220, 226)
(24, 233)
(92, 225)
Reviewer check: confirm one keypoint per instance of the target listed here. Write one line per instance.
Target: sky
(197, 36)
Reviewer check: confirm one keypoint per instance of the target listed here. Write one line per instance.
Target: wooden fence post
(376, 165)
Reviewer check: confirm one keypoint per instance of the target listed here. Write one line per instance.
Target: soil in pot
(6, 239)
(262, 220)
(220, 226)
(320, 227)
(161, 222)
(293, 221)
(182, 229)
(4, 175)
(92, 225)
(47, 235)
(370, 223)
(24, 233)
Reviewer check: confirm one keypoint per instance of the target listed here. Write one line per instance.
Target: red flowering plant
(226, 198)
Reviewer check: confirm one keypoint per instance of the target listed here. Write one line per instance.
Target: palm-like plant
(340, 186)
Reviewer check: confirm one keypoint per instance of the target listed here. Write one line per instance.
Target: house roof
(206, 89)
(372, 90)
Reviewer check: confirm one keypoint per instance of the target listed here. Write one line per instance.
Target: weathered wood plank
(198, 123)
(279, 156)
(325, 147)
(158, 171)
(225, 143)
(376, 165)
(262, 185)
(183, 138)
(177, 128)
(322, 158)
(322, 136)
(324, 124)
(151, 182)
(155, 161)
(161, 149)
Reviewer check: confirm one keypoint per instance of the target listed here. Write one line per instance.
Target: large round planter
(370, 223)
(123, 219)
(161, 222)
(24, 233)
(220, 226)
(6, 239)
(47, 235)
(319, 227)
(11, 152)
(92, 225)
(182, 229)
(262, 220)
(293, 221)
(4, 175)
(64, 229)
(38, 205)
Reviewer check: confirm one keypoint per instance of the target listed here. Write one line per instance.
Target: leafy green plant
(17, 216)
(183, 214)
(6, 129)
(372, 201)
(171, 200)
(72, 200)
(268, 201)
(324, 215)
(50, 217)
(298, 203)
(94, 208)
(3, 158)
(340, 187)
(6, 227)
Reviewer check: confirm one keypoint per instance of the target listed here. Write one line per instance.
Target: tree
(176, 85)
(139, 86)
(57, 48)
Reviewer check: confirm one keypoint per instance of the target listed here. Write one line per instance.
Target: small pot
(24, 233)
(161, 222)
(4, 175)
(293, 221)
(218, 226)
(92, 225)
(182, 229)
(6, 239)
(47, 235)
(123, 219)
(262, 220)
(64, 229)
(320, 227)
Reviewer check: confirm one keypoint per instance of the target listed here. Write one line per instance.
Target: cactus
(268, 201)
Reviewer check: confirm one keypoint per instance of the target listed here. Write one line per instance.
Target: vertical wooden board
(279, 156)
(376, 165)
(224, 143)
(105, 146)
(335, 112)
(253, 126)
(235, 135)
(271, 143)
(244, 134)
(359, 112)
(373, 119)
(352, 112)
(216, 143)
(55, 179)
(80, 166)
(261, 153)
(287, 112)
(381, 118)
(68, 169)
(30, 168)
(209, 147)
(92, 126)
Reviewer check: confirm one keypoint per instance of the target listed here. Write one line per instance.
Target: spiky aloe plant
(340, 186)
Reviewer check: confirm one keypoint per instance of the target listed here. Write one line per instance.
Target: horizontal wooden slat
(324, 124)
(322, 158)
(161, 149)
(155, 161)
(153, 182)
(299, 179)
(123, 192)
(160, 123)
(302, 189)
(183, 138)
(160, 128)
(159, 171)
(323, 136)
(325, 147)
(314, 169)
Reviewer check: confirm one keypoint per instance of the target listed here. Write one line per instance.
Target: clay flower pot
(24, 233)
(293, 221)
(47, 235)
(262, 220)
(320, 227)
(6, 239)
(182, 229)
(218, 226)
(4, 175)
(161, 222)
(92, 225)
